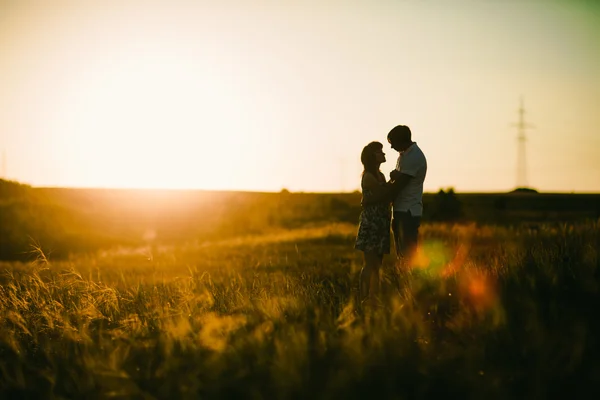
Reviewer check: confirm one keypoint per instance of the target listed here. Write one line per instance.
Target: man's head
(400, 138)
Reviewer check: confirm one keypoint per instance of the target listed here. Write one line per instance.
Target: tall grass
(483, 312)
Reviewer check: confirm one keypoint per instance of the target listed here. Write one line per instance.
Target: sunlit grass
(480, 311)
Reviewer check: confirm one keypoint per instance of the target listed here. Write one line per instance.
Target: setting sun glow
(262, 96)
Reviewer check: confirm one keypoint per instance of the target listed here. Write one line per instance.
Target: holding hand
(394, 174)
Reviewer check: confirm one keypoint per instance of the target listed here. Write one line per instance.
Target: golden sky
(265, 95)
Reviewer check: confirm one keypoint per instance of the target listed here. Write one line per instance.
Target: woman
(374, 229)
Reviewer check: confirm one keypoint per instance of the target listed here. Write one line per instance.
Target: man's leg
(410, 234)
(397, 229)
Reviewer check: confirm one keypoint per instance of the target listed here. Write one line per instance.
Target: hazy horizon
(166, 189)
(262, 96)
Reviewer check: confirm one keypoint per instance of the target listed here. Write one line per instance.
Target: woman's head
(372, 157)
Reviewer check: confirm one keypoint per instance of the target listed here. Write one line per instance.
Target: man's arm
(400, 180)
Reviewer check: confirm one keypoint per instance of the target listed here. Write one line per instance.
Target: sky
(264, 95)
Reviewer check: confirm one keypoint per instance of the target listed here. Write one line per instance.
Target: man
(408, 178)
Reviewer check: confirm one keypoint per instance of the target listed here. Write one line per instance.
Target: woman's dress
(374, 226)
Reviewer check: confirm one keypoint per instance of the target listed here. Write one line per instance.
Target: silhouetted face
(399, 145)
(380, 156)
(395, 144)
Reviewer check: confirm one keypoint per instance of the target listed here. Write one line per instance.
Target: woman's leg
(365, 277)
(375, 286)
(369, 276)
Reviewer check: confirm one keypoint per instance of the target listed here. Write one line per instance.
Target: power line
(521, 154)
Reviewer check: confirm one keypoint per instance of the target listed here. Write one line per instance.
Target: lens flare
(458, 261)
(431, 256)
(478, 289)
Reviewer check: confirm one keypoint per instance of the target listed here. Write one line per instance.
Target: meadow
(484, 311)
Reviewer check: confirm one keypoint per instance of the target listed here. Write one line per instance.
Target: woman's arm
(377, 191)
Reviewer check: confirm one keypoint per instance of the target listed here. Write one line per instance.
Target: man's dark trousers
(405, 227)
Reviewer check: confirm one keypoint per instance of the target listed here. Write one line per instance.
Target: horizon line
(445, 189)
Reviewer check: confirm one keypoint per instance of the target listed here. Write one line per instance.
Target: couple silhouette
(395, 205)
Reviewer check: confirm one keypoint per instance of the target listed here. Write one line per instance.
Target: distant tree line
(446, 206)
(64, 221)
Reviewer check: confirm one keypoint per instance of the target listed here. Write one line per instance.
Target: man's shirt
(411, 162)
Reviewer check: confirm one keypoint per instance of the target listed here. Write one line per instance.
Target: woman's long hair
(368, 159)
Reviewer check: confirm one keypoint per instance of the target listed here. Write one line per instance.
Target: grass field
(487, 312)
(64, 221)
